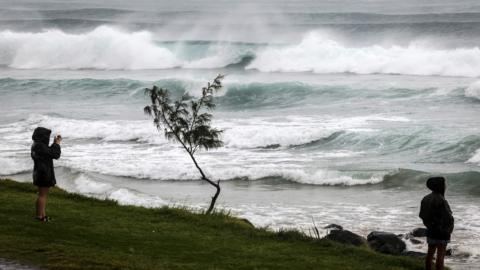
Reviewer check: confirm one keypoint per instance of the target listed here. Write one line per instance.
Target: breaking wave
(110, 48)
(475, 158)
(473, 90)
(459, 182)
(320, 54)
(105, 47)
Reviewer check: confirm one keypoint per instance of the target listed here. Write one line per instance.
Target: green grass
(86, 233)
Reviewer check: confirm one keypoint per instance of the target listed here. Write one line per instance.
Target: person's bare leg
(441, 250)
(429, 257)
(41, 202)
(38, 205)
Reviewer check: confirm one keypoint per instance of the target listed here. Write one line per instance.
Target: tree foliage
(188, 122)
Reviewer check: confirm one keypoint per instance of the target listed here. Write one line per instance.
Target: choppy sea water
(339, 117)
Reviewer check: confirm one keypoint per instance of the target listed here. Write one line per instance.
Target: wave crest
(103, 48)
(475, 158)
(473, 90)
(110, 48)
(320, 54)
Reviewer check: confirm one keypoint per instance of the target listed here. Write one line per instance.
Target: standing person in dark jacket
(43, 172)
(437, 217)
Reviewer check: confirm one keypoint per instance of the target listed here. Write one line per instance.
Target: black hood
(41, 134)
(436, 184)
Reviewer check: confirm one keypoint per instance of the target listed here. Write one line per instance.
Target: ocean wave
(10, 165)
(459, 150)
(475, 158)
(319, 53)
(105, 47)
(267, 172)
(239, 133)
(318, 136)
(123, 196)
(108, 47)
(106, 130)
(465, 182)
(473, 90)
(235, 95)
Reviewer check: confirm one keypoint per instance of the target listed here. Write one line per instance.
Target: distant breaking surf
(110, 48)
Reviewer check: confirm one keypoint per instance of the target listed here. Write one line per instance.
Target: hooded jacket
(435, 211)
(43, 155)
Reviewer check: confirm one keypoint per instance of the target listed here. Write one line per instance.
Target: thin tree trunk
(204, 177)
(214, 198)
(216, 185)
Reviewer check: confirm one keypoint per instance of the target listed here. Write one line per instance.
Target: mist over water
(337, 110)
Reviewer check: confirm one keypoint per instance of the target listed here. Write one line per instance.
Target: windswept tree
(188, 122)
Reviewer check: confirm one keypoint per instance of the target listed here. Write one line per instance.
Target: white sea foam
(85, 185)
(127, 197)
(239, 133)
(473, 90)
(160, 164)
(135, 149)
(90, 187)
(105, 47)
(258, 132)
(320, 54)
(475, 158)
(11, 165)
(107, 130)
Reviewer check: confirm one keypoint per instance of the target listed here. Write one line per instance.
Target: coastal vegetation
(188, 122)
(88, 233)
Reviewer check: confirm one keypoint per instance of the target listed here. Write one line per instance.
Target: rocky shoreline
(386, 242)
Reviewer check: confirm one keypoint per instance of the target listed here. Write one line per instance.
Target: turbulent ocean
(332, 111)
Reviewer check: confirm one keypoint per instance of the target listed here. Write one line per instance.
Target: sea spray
(319, 53)
(109, 48)
(473, 90)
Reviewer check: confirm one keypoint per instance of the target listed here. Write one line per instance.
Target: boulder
(333, 227)
(385, 242)
(419, 232)
(346, 237)
(458, 254)
(415, 241)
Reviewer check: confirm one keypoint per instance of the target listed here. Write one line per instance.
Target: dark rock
(414, 254)
(419, 232)
(385, 242)
(461, 255)
(457, 254)
(415, 241)
(346, 237)
(333, 227)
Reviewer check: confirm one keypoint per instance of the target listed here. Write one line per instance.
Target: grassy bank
(92, 234)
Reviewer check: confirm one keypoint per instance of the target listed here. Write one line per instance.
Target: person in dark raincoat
(437, 217)
(43, 171)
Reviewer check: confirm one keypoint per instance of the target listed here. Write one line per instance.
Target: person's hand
(58, 139)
